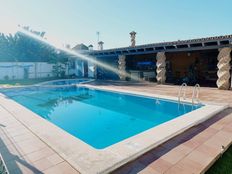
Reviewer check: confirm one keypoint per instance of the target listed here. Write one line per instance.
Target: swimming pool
(97, 117)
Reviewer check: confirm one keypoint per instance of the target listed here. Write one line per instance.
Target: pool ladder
(182, 92)
(195, 93)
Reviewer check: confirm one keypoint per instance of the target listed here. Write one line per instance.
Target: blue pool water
(99, 118)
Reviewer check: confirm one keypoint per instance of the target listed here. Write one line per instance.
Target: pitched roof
(80, 47)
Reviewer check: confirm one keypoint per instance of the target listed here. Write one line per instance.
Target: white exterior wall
(15, 70)
(78, 70)
(90, 69)
(43, 70)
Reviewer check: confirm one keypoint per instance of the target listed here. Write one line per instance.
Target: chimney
(132, 35)
(100, 45)
(90, 47)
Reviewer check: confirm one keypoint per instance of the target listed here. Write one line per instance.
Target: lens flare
(77, 54)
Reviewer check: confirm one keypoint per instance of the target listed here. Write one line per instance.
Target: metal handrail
(3, 168)
(157, 101)
(195, 95)
(182, 90)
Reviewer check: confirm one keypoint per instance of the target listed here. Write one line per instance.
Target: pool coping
(43, 84)
(87, 159)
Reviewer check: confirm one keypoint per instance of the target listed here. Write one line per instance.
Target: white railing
(182, 92)
(195, 94)
(3, 168)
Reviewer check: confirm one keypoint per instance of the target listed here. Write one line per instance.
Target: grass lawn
(223, 165)
(25, 81)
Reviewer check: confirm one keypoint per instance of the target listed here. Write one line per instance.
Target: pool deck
(191, 152)
(195, 150)
(206, 94)
(23, 151)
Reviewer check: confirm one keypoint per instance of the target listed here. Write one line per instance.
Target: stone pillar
(122, 67)
(223, 65)
(161, 67)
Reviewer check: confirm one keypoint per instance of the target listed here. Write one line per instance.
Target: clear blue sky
(76, 21)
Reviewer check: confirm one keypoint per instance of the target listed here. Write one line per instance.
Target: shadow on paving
(145, 160)
(11, 160)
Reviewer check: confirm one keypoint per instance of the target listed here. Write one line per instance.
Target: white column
(223, 65)
(161, 67)
(95, 71)
(122, 67)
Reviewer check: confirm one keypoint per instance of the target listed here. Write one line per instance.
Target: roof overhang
(175, 46)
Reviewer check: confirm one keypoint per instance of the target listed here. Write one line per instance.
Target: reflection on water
(78, 55)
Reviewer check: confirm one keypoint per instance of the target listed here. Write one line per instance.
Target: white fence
(21, 70)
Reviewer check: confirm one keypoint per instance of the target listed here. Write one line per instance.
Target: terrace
(194, 150)
(201, 61)
(78, 96)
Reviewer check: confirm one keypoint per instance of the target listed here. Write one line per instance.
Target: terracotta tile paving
(195, 150)
(206, 94)
(61, 168)
(25, 153)
(191, 152)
